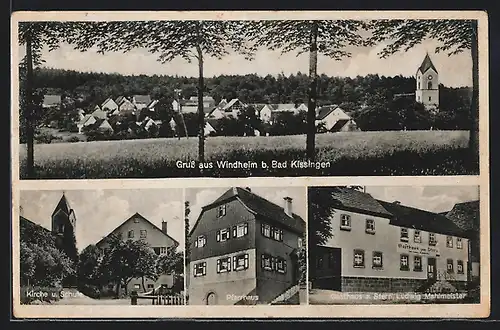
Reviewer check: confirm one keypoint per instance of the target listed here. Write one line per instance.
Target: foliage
(170, 263)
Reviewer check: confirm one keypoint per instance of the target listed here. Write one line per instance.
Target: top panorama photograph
(247, 98)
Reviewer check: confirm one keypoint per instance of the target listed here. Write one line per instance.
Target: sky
(429, 198)
(98, 212)
(454, 71)
(204, 196)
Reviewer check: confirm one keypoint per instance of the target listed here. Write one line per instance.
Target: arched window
(429, 85)
(418, 85)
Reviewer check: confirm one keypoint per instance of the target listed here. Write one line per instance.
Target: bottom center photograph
(246, 246)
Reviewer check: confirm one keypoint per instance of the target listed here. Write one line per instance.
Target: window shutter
(218, 236)
(228, 232)
(245, 229)
(234, 262)
(204, 268)
(284, 265)
(234, 231)
(228, 263)
(218, 265)
(246, 261)
(196, 243)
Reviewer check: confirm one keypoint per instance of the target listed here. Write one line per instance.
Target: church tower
(64, 227)
(427, 78)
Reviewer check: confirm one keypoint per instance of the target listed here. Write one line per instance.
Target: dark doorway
(211, 299)
(328, 268)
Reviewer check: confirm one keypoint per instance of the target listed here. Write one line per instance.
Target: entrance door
(211, 300)
(431, 268)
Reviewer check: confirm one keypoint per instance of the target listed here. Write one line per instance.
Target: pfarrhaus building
(380, 246)
(244, 249)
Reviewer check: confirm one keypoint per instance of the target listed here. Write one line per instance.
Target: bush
(91, 291)
(73, 139)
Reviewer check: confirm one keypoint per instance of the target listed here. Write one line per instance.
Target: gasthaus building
(380, 246)
(244, 250)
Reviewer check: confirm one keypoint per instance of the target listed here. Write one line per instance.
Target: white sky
(454, 71)
(98, 212)
(430, 198)
(204, 196)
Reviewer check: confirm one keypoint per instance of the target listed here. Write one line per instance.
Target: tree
(170, 263)
(187, 250)
(328, 38)
(89, 267)
(454, 36)
(321, 203)
(170, 39)
(36, 35)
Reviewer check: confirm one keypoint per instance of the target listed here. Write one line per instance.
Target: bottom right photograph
(393, 245)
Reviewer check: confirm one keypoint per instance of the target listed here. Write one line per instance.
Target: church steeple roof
(427, 64)
(63, 205)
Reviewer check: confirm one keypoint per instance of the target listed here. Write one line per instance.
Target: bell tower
(427, 89)
(64, 227)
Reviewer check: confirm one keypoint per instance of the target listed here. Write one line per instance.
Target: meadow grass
(350, 153)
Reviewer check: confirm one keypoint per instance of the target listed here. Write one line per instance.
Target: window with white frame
(377, 261)
(460, 267)
(130, 234)
(432, 239)
(404, 234)
(359, 258)
(163, 249)
(266, 262)
(417, 236)
(240, 262)
(417, 263)
(280, 265)
(277, 234)
(370, 226)
(240, 230)
(144, 233)
(265, 229)
(224, 265)
(221, 211)
(449, 241)
(223, 235)
(449, 265)
(459, 243)
(200, 269)
(404, 262)
(345, 222)
(201, 241)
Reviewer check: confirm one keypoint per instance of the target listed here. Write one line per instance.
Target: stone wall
(377, 284)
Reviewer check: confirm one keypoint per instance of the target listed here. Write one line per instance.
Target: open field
(349, 153)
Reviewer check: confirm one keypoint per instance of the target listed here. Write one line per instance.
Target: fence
(157, 299)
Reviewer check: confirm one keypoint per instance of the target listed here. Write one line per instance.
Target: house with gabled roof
(244, 250)
(382, 246)
(334, 119)
(109, 105)
(86, 121)
(466, 216)
(137, 227)
(141, 101)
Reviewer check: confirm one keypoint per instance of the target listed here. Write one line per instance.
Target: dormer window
(221, 211)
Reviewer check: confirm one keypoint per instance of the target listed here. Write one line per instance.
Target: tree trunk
(30, 131)
(201, 113)
(184, 123)
(313, 82)
(474, 128)
(118, 283)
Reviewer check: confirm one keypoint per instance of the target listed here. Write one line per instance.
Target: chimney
(287, 207)
(164, 226)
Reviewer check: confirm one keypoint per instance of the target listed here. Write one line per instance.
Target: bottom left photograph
(102, 247)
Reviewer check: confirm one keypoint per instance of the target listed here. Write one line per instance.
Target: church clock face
(429, 77)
